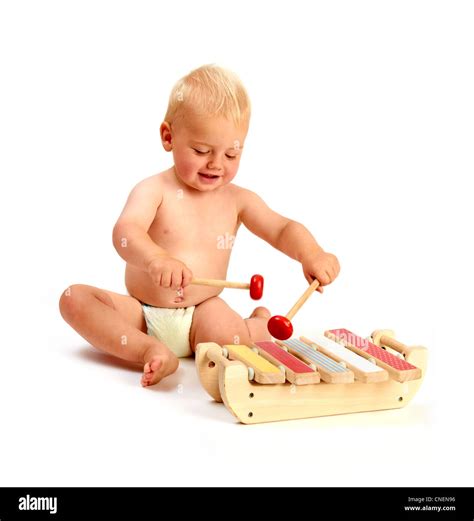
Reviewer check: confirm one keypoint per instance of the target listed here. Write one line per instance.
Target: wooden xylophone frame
(227, 381)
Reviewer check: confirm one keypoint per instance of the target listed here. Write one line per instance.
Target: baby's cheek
(186, 166)
(232, 172)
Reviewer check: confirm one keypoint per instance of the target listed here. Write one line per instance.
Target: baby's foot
(157, 366)
(260, 312)
(257, 324)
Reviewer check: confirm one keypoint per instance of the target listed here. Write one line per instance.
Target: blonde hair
(209, 90)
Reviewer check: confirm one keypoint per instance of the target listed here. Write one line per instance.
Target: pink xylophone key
(399, 369)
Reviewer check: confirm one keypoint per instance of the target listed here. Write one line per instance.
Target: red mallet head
(280, 327)
(256, 287)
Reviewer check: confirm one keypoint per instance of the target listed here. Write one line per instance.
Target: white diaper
(170, 326)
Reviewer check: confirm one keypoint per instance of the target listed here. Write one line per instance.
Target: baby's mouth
(208, 176)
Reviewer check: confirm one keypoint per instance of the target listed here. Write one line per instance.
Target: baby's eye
(230, 157)
(200, 151)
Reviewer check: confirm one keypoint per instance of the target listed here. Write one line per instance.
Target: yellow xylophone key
(264, 371)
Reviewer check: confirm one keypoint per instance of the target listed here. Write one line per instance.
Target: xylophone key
(363, 369)
(297, 372)
(264, 371)
(399, 369)
(330, 371)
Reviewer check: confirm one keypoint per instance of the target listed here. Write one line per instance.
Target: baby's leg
(215, 321)
(115, 324)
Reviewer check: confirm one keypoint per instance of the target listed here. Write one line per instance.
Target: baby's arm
(288, 236)
(134, 244)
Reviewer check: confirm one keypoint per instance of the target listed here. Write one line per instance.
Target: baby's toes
(146, 378)
(147, 373)
(151, 371)
(156, 364)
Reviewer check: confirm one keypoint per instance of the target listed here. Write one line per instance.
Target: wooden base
(227, 381)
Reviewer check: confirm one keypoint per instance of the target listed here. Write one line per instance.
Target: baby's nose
(214, 164)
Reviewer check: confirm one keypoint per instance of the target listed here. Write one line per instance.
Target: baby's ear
(166, 139)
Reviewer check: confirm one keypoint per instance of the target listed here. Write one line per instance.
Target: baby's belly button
(179, 296)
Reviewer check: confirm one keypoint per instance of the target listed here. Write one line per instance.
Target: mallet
(281, 327)
(255, 285)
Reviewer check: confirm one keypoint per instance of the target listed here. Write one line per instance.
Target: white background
(362, 129)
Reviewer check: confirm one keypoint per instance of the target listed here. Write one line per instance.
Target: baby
(172, 229)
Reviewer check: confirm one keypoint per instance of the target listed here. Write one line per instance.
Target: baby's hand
(169, 272)
(322, 266)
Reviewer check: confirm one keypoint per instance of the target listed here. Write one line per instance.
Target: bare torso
(198, 228)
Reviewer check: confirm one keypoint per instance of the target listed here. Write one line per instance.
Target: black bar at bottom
(239, 504)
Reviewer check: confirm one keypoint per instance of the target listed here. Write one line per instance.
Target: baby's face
(206, 151)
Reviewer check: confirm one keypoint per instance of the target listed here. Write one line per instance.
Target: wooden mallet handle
(255, 286)
(281, 327)
(304, 297)
(220, 283)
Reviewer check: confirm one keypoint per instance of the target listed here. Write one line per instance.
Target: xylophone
(335, 373)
